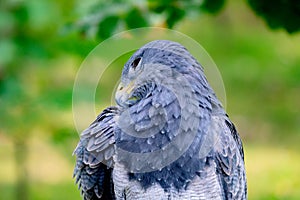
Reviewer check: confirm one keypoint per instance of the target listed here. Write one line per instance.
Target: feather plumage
(168, 139)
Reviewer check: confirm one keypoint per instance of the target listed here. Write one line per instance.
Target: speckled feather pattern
(218, 173)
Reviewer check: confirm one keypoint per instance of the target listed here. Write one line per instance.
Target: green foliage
(107, 26)
(132, 14)
(135, 19)
(174, 14)
(213, 6)
(123, 15)
(279, 13)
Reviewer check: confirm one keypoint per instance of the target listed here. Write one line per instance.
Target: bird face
(127, 87)
(151, 65)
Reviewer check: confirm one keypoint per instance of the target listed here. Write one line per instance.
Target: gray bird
(168, 137)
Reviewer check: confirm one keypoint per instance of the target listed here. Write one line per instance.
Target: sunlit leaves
(106, 18)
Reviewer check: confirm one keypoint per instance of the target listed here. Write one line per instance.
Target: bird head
(151, 65)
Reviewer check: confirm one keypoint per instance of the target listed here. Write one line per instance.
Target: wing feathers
(229, 158)
(94, 157)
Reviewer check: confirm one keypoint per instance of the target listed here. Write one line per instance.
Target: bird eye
(135, 63)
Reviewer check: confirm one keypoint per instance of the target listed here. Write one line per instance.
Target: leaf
(135, 19)
(107, 26)
(174, 15)
(278, 13)
(212, 6)
(158, 6)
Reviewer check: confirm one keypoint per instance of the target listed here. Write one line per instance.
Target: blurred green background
(42, 45)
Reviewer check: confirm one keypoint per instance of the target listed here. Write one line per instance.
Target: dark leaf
(278, 13)
(212, 6)
(135, 19)
(174, 15)
(107, 26)
(158, 6)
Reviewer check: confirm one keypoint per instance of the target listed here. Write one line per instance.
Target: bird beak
(123, 94)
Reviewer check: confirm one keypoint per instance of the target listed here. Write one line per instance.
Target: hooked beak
(123, 95)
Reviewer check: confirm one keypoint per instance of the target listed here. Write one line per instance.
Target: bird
(168, 137)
